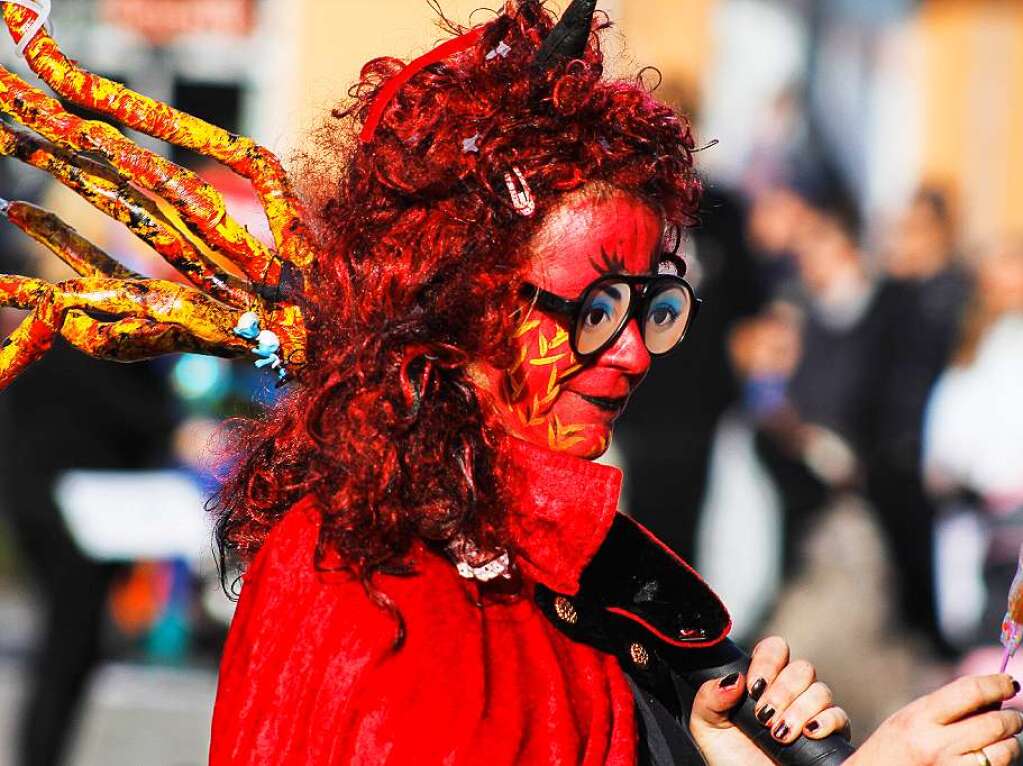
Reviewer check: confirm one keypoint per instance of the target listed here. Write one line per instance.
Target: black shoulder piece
(638, 591)
(642, 603)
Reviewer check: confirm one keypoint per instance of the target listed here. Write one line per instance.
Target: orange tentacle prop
(66, 243)
(162, 121)
(110, 312)
(120, 318)
(107, 193)
(198, 203)
(25, 345)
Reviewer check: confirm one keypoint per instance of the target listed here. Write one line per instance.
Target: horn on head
(569, 37)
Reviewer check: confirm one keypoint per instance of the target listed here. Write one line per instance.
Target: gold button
(639, 655)
(565, 611)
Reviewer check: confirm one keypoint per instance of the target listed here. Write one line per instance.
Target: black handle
(727, 658)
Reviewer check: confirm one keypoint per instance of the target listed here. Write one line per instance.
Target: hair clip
(41, 8)
(521, 198)
(471, 145)
(502, 50)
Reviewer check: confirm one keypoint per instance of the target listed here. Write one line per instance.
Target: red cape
(309, 676)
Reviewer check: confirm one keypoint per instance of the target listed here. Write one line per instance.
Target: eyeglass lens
(666, 317)
(608, 306)
(605, 309)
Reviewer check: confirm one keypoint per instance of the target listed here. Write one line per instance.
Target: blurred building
(903, 91)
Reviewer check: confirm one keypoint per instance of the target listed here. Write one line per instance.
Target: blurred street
(134, 714)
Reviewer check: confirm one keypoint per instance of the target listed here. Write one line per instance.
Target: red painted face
(548, 397)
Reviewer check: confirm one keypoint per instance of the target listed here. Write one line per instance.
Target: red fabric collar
(560, 510)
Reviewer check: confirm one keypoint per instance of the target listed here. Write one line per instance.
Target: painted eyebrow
(611, 290)
(608, 263)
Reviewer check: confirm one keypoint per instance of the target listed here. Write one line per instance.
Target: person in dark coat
(69, 411)
(871, 351)
(667, 432)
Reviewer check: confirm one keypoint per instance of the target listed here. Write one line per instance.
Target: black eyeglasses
(665, 306)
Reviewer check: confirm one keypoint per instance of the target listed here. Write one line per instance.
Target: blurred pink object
(1012, 624)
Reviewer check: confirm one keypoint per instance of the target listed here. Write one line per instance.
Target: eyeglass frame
(639, 285)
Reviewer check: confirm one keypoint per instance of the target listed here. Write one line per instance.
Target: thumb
(715, 700)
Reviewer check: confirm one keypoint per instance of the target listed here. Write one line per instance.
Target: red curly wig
(383, 425)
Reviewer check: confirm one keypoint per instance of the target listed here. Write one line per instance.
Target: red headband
(391, 87)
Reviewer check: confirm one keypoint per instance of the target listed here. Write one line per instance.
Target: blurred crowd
(882, 365)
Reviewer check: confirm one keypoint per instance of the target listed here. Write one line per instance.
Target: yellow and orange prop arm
(109, 311)
(113, 314)
(197, 202)
(105, 191)
(119, 319)
(162, 121)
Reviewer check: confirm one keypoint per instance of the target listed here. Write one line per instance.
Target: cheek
(545, 360)
(539, 407)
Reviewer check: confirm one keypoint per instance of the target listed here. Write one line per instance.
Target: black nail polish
(765, 714)
(1015, 686)
(812, 726)
(757, 689)
(729, 681)
(781, 731)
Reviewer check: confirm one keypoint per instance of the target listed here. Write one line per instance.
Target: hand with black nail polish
(789, 700)
(789, 697)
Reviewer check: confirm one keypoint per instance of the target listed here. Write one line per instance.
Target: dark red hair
(421, 248)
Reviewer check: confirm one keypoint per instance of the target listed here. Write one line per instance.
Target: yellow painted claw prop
(110, 312)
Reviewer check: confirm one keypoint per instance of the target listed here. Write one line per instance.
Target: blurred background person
(973, 454)
(922, 295)
(68, 412)
(849, 415)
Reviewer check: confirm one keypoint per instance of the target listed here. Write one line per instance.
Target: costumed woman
(434, 571)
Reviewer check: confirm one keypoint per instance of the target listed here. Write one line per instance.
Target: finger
(22, 292)
(795, 679)
(834, 720)
(133, 339)
(61, 239)
(715, 699)
(27, 344)
(969, 694)
(767, 660)
(985, 729)
(789, 721)
(1003, 753)
(155, 300)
